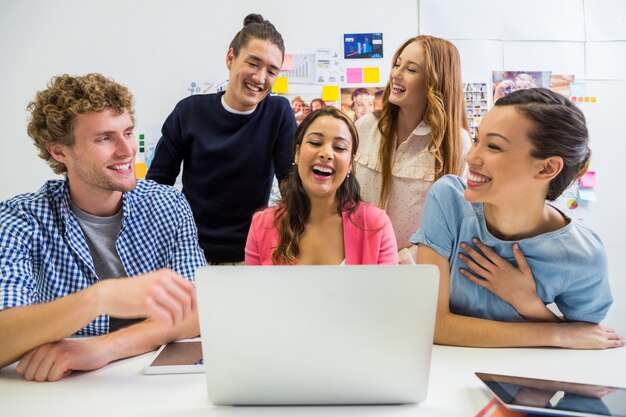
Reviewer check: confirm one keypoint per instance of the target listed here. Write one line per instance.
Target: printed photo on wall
(303, 103)
(562, 84)
(505, 82)
(357, 102)
(362, 45)
(476, 104)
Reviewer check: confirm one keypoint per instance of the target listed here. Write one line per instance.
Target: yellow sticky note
(371, 75)
(140, 170)
(330, 93)
(281, 85)
(586, 99)
(593, 99)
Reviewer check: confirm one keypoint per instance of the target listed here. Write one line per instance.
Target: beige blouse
(413, 172)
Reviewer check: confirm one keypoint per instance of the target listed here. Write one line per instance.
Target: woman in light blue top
(503, 252)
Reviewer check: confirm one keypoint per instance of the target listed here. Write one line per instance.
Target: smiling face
(296, 105)
(408, 77)
(100, 162)
(362, 105)
(324, 158)
(252, 73)
(501, 168)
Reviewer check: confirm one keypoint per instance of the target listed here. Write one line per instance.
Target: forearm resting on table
(26, 327)
(457, 330)
(148, 335)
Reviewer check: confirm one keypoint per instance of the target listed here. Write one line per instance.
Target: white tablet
(550, 398)
(182, 357)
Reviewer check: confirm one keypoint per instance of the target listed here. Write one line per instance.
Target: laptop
(317, 335)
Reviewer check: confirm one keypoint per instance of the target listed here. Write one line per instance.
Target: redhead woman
(419, 135)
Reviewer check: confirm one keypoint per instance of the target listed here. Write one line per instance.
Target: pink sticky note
(588, 180)
(287, 63)
(354, 75)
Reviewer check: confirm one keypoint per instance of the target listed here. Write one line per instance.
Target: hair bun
(253, 18)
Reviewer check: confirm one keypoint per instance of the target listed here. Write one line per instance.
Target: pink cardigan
(368, 237)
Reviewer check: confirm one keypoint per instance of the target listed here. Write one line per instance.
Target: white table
(120, 389)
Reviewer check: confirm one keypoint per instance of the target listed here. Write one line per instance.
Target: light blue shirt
(569, 265)
(44, 254)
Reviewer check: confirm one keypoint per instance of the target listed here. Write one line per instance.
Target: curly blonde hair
(54, 110)
(445, 112)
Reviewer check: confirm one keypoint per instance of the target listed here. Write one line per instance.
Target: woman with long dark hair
(321, 219)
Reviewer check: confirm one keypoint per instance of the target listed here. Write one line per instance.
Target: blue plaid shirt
(44, 255)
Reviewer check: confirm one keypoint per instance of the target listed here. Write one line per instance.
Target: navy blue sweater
(228, 165)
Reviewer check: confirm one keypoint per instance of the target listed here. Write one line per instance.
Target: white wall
(152, 45)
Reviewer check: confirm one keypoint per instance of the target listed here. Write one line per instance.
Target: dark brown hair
(559, 130)
(295, 206)
(255, 27)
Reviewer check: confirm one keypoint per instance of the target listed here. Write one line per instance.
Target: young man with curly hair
(85, 254)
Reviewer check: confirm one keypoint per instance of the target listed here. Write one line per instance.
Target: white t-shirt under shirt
(413, 173)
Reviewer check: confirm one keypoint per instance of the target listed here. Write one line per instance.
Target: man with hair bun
(85, 254)
(231, 143)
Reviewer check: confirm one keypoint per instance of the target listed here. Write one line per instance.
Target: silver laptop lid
(317, 334)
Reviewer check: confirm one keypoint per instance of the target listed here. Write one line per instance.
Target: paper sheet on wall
(202, 86)
(148, 136)
(534, 20)
(303, 69)
(604, 20)
(558, 57)
(571, 204)
(476, 103)
(329, 67)
(460, 19)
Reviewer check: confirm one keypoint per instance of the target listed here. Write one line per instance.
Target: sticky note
(578, 88)
(586, 194)
(281, 85)
(371, 75)
(588, 180)
(354, 75)
(593, 99)
(140, 170)
(287, 63)
(330, 93)
(586, 99)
